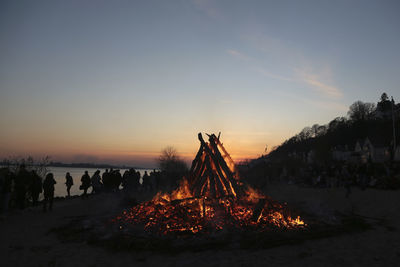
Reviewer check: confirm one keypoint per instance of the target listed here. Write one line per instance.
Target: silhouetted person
(85, 184)
(347, 180)
(20, 186)
(69, 182)
(146, 181)
(48, 191)
(137, 181)
(125, 179)
(153, 180)
(35, 187)
(131, 181)
(5, 189)
(106, 180)
(117, 179)
(158, 179)
(96, 182)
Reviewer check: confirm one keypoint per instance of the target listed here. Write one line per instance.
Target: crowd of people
(363, 175)
(22, 188)
(335, 174)
(112, 181)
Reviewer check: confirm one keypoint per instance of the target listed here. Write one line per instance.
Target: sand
(26, 239)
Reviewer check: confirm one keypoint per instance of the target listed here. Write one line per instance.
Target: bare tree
(384, 97)
(337, 122)
(314, 130)
(40, 166)
(173, 168)
(361, 111)
(170, 161)
(305, 134)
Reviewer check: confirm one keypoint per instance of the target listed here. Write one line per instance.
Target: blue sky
(118, 81)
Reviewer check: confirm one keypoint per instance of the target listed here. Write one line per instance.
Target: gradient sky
(117, 81)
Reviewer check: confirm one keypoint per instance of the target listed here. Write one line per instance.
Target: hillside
(365, 120)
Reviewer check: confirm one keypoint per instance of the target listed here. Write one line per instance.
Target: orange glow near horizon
(137, 153)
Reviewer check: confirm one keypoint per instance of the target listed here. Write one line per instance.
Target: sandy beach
(27, 239)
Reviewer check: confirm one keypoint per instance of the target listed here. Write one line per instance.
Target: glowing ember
(211, 199)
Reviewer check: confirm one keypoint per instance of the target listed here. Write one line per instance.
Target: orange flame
(180, 212)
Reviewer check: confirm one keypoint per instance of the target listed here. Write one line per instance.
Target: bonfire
(211, 198)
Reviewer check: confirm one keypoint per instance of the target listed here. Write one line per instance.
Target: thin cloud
(273, 76)
(331, 106)
(317, 83)
(293, 58)
(327, 105)
(208, 7)
(264, 72)
(237, 54)
(274, 48)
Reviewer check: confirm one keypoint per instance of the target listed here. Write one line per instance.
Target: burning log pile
(211, 198)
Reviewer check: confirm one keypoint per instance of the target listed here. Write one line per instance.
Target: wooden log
(205, 186)
(199, 186)
(225, 190)
(200, 181)
(229, 174)
(235, 185)
(211, 179)
(196, 160)
(218, 159)
(258, 209)
(197, 189)
(226, 154)
(220, 164)
(194, 176)
(204, 207)
(224, 182)
(219, 187)
(223, 177)
(213, 191)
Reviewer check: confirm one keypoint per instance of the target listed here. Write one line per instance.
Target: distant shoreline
(86, 165)
(94, 166)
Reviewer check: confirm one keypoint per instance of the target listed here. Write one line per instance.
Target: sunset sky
(118, 81)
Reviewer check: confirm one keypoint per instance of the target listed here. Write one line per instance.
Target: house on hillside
(376, 150)
(364, 149)
(367, 149)
(381, 149)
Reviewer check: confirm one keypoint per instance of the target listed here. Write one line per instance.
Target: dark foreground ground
(27, 239)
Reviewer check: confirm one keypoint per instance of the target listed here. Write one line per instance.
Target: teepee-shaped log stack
(213, 174)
